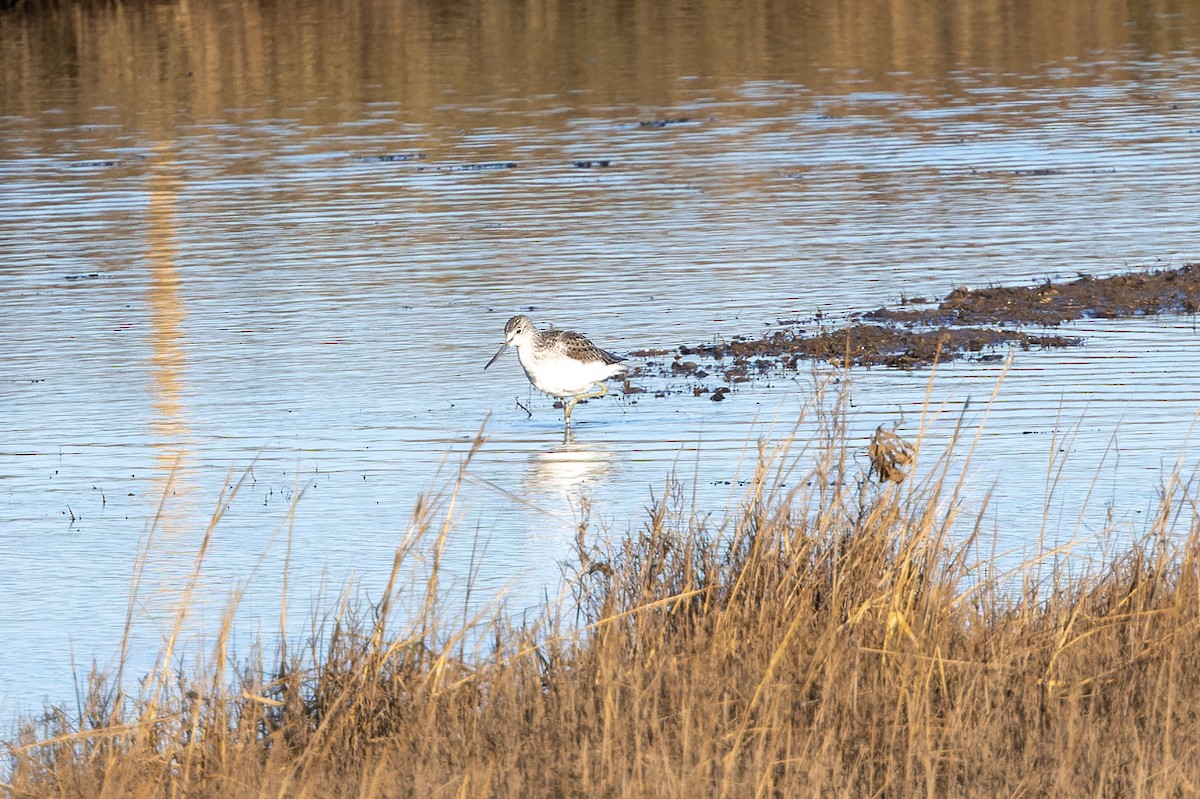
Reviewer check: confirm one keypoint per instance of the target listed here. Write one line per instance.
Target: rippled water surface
(279, 242)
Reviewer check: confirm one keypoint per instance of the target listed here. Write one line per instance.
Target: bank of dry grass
(827, 640)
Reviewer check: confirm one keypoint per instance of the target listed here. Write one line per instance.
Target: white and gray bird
(560, 363)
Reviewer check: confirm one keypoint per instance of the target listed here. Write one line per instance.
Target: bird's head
(517, 332)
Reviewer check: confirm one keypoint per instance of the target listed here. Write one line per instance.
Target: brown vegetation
(827, 640)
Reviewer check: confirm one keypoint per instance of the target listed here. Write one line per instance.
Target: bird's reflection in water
(551, 504)
(568, 470)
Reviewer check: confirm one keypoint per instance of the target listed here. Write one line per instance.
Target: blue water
(258, 294)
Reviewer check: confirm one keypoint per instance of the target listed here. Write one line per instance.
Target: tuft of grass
(829, 639)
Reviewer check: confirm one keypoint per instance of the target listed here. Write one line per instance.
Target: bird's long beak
(499, 352)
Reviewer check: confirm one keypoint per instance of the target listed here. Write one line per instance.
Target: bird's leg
(575, 400)
(596, 395)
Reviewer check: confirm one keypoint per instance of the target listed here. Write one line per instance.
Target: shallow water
(286, 241)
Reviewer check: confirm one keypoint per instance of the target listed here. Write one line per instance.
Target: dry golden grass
(825, 641)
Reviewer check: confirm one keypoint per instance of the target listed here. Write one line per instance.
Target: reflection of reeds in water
(168, 430)
(148, 58)
(828, 640)
(167, 355)
(167, 311)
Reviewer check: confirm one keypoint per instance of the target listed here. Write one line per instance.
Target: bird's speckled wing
(578, 347)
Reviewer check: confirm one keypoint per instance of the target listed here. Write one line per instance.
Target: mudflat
(968, 323)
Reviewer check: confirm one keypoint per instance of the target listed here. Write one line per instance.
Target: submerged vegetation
(828, 639)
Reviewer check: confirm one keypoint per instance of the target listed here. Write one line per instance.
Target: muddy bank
(740, 360)
(873, 344)
(968, 324)
(1048, 304)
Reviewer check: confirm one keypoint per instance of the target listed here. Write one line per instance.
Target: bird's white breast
(561, 376)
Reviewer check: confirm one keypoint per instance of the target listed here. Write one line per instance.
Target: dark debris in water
(1037, 172)
(394, 157)
(662, 123)
(970, 324)
(481, 166)
(484, 166)
(602, 162)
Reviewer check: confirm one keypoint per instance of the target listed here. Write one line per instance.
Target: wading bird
(560, 363)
